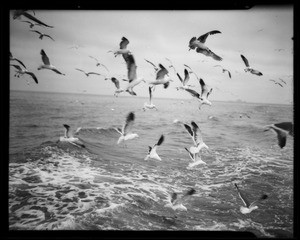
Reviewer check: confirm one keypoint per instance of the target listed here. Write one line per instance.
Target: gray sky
(257, 33)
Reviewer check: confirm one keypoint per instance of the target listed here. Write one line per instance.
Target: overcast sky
(155, 35)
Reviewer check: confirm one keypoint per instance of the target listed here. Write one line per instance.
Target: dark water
(106, 186)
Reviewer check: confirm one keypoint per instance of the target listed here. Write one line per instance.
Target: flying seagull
(69, 138)
(195, 133)
(224, 70)
(42, 34)
(98, 63)
(117, 84)
(176, 200)
(281, 129)
(18, 13)
(21, 71)
(47, 64)
(88, 73)
(249, 207)
(152, 150)
(196, 158)
(123, 47)
(250, 69)
(201, 48)
(282, 81)
(203, 98)
(162, 77)
(11, 58)
(31, 25)
(150, 105)
(131, 73)
(184, 81)
(191, 71)
(126, 129)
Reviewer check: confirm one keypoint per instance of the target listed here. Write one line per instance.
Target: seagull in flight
(69, 138)
(123, 47)
(250, 69)
(11, 58)
(117, 84)
(224, 70)
(249, 207)
(203, 98)
(98, 63)
(184, 81)
(21, 71)
(150, 105)
(88, 73)
(176, 200)
(195, 133)
(199, 44)
(281, 129)
(191, 71)
(162, 77)
(47, 64)
(126, 129)
(195, 157)
(42, 34)
(18, 13)
(152, 150)
(31, 24)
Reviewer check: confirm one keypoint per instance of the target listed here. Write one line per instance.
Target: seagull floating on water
(18, 13)
(196, 158)
(123, 47)
(47, 64)
(21, 71)
(125, 131)
(224, 70)
(250, 69)
(152, 150)
(281, 129)
(11, 58)
(42, 34)
(162, 77)
(98, 63)
(69, 138)
(201, 48)
(150, 105)
(88, 73)
(176, 199)
(195, 133)
(203, 98)
(249, 207)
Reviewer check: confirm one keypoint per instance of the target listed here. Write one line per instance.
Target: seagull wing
(129, 122)
(191, 70)
(229, 74)
(45, 58)
(202, 38)
(209, 93)
(197, 136)
(20, 62)
(189, 130)
(181, 80)
(281, 136)
(150, 94)
(287, 126)
(124, 43)
(186, 77)
(193, 93)
(131, 66)
(245, 61)
(151, 64)
(94, 58)
(25, 14)
(33, 76)
(80, 70)
(104, 67)
(262, 197)
(243, 197)
(36, 32)
(160, 140)
(209, 53)
(162, 72)
(17, 67)
(190, 154)
(204, 89)
(191, 43)
(55, 70)
(48, 36)
(116, 82)
(94, 73)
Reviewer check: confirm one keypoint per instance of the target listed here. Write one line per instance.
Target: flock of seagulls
(163, 78)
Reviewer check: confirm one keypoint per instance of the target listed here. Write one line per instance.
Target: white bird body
(196, 159)
(47, 64)
(125, 131)
(149, 105)
(176, 200)
(69, 138)
(162, 77)
(152, 150)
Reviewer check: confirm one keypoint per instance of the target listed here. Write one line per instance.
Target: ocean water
(105, 186)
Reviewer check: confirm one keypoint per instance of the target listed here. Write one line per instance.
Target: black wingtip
(191, 192)
(161, 139)
(66, 126)
(130, 116)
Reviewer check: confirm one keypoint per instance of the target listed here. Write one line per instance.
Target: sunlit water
(105, 186)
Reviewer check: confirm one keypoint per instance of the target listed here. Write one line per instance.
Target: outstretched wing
(209, 53)
(193, 93)
(162, 72)
(155, 67)
(45, 58)
(204, 89)
(36, 31)
(80, 70)
(129, 122)
(186, 77)
(124, 43)
(25, 14)
(116, 82)
(191, 45)
(33, 76)
(245, 61)
(243, 197)
(189, 130)
(49, 36)
(202, 38)
(131, 66)
(181, 80)
(17, 67)
(160, 141)
(197, 136)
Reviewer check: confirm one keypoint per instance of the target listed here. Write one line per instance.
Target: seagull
(42, 34)
(224, 70)
(278, 83)
(123, 47)
(117, 84)
(184, 81)
(250, 69)
(18, 13)
(162, 77)
(281, 129)
(195, 133)
(98, 63)
(11, 58)
(176, 199)
(155, 67)
(68, 138)
(21, 71)
(152, 150)
(47, 64)
(150, 105)
(282, 80)
(125, 131)
(88, 73)
(131, 73)
(191, 71)
(31, 25)
(201, 48)
(203, 98)
(249, 207)
(196, 158)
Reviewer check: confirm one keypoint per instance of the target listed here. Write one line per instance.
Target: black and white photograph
(146, 120)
